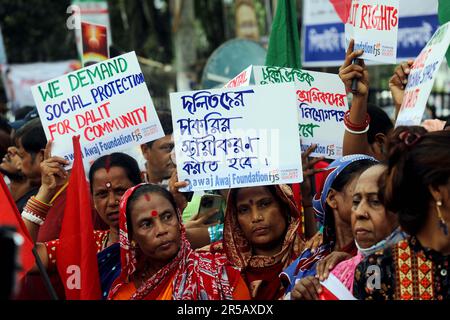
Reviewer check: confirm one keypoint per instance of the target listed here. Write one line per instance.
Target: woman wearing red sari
(261, 236)
(158, 262)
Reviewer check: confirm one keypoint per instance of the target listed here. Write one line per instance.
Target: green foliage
(36, 30)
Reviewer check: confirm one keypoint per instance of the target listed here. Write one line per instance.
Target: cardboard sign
(228, 138)
(241, 80)
(107, 104)
(374, 26)
(422, 76)
(321, 104)
(95, 43)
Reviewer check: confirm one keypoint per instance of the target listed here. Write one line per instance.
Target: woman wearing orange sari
(157, 260)
(261, 236)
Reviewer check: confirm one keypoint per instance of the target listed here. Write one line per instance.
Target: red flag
(76, 257)
(342, 8)
(10, 216)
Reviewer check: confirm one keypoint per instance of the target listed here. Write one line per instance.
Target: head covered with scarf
(332, 173)
(191, 280)
(238, 248)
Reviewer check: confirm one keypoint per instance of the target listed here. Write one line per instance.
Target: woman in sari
(158, 262)
(332, 205)
(110, 176)
(261, 236)
(374, 229)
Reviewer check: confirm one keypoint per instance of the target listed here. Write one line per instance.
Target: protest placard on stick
(228, 138)
(107, 104)
(422, 76)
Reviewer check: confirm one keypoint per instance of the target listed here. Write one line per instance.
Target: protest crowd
(368, 221)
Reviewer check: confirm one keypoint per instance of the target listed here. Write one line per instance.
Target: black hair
(379, 122)
(347, 175)
(145, 189)
(22, 112)
(117, 159)
(417, 160)
(4, 125)
(166, 123)
(33, 138)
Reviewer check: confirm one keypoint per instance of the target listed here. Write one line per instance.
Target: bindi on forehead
(154, 213)
(107, 164)
(251, 202)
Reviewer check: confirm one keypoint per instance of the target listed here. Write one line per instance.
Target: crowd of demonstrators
(110, 177)
(375, 219)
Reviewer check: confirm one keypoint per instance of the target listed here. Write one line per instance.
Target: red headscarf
(263, 268)
(197, 276)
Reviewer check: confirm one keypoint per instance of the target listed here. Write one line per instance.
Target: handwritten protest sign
(321, 104)
(374, 26)
(107, 104)
(228, 138)
(422, 76)
(241, 80)
(95, 43)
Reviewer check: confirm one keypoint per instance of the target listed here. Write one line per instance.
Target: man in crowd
(157, 153)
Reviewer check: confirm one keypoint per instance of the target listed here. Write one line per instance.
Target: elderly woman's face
(371, 223)
(260, 217)
(156, 228)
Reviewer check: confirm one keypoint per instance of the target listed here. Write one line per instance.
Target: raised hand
(174, 187)
(398, 82)
(53, 174)
(348, 71)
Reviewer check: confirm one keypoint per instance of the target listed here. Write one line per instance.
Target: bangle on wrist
(357, 132)
(30, 216)
(353, 126)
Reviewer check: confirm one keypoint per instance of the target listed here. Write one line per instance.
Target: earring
(133, 244)
(442, 223)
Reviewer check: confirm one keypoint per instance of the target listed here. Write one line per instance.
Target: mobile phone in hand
(210, 202)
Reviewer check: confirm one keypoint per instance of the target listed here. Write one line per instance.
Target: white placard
(374, 26)
(241, 137)
(107, 104)
(422, 76)
(321, 104)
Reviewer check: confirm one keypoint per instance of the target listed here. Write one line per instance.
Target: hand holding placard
(349, 71)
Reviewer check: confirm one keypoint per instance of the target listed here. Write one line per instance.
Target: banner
(321, 104)
(323, 39)
(374, 26)
(422, 76)
(95, 43)
(242, 137)
(19, 78)
(107, 104)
